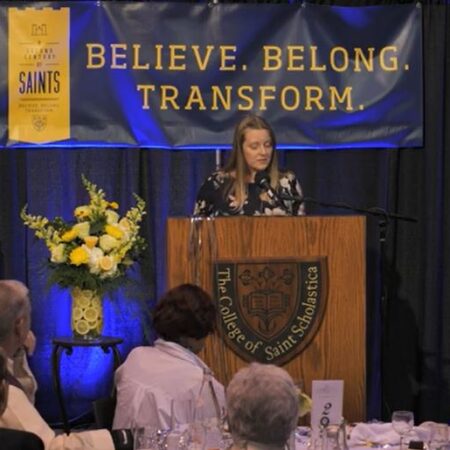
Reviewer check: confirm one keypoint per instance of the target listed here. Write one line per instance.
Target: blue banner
(180, 75)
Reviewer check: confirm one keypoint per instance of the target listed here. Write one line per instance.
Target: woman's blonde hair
(237, 165)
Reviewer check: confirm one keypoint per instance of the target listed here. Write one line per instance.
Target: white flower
(126, 230)
(111, 216)
(95, 256)
(57, 253)
(124, 224)
(126, 234)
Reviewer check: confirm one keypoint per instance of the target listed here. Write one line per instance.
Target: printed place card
(327, 400)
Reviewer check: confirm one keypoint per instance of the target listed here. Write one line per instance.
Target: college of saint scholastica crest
(269, 311)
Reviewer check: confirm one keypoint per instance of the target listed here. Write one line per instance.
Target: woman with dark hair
(168, 379)
(251, 182)
(185, 315)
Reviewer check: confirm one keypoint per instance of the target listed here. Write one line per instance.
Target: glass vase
(87, 313)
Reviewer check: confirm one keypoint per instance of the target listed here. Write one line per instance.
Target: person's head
(253, 149)
(4, 386)
(185, 314)
(15, 315)
(262, 405)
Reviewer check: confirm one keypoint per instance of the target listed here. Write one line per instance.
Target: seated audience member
(20, 414)
(168, 378)
(13, 439)
(263, 407)
(19, 368)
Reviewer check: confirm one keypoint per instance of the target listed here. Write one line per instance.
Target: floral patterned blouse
(212, 202)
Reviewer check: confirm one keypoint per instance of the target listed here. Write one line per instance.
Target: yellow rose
(81, 212)
(114, 205)
(114, 231)
(91, 241)
(106, 263)
(57, 253)
(79, 256)
(69, 235)
(82, 229)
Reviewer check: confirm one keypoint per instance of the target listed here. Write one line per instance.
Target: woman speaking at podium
(251, 183)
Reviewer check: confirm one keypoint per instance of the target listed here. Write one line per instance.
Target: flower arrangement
(93, 251)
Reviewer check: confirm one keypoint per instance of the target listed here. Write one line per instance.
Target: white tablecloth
(369, 435)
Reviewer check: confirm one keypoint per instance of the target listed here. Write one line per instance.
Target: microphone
(262, 179)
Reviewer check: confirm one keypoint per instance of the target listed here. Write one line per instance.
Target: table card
(327, 399)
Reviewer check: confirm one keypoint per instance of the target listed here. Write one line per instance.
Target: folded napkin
(379, 434)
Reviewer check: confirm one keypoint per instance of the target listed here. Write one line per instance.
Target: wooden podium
(336, 347)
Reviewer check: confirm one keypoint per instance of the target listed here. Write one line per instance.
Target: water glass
(178, 438)
(197, 433)
(146, 438)
(402, 422)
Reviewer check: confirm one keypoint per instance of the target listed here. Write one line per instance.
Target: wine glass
(402, 422)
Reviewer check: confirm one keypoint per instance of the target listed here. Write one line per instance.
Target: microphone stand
(373, 211)
(384, 219)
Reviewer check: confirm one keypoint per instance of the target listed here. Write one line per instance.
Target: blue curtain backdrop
(408, 340)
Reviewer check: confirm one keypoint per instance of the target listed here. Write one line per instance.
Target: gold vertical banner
(39, 75)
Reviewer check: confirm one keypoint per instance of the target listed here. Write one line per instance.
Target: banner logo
(38, 75)
(269, 311)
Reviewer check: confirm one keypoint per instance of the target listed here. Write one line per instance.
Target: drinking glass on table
(402, 422)
(176, 438)
(145, 438)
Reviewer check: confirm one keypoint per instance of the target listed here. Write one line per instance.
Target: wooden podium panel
(337, 350)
